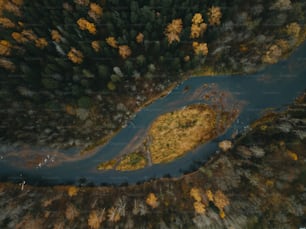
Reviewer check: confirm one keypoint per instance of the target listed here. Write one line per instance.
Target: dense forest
(96, 44)
(87, 58)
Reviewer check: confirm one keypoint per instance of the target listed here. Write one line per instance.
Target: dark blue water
(274, 87)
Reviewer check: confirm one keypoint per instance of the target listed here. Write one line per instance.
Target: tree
(173, 30)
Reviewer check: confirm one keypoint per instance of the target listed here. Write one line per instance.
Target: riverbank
(260, 181)
(172, 135)
(78, 116)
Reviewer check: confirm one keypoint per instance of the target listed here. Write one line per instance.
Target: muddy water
(272, 88)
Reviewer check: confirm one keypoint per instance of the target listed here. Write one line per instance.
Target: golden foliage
(41, 43)
(195, 31)
(86, 25)
(199, 207)
(175, 26)
(214, 15)
(152, 200)
(198, 27)
(24, 36)
(29, 34)
(175, 133)
(197, 19)
(210, 195)
(6, 23)
(95, 45)
(12, 8)
(95, 219)
(200, 48)
(195, 194)
(18, 37)
(95, 11)
(111, 41)
(75, 56)
(173, 30)
(293, 29)
(220, 200)
(5, 48)
(222, 214)
(72, 191)
(7, 64)
(113, 215)
(292, 155)
(124, 51)
(171, 37)
(56, 36)
(139, 38)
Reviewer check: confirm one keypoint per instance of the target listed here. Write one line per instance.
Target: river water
(275, 87)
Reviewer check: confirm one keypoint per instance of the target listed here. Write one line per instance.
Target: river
(275, 87)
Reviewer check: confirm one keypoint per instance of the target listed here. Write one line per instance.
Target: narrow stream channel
(273, 88)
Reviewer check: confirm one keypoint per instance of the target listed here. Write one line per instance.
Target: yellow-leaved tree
(95, 45)
(86, 25)
(95, 11)
(124, 51)
(198, 27)
(152, 200)
(56, 36)
(200, 48)
(139, 38)
(214, 15)
(75, 56)
(173, 30)
(41, 43)
(6, 23)
(111, 41)
(5, 48)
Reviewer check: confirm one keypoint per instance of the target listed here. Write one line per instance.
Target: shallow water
(273, 88)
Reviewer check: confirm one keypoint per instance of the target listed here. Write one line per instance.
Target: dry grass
(175, 133)
(132, 161)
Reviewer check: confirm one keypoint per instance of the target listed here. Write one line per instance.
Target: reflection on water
(275, 87)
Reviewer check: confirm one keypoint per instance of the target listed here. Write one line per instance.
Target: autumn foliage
(214, 15)
(173, 30)
(41, 43)
(111, 41)
(5, 48)
(152, 200)
(95, 45)
(95, 11)
(139, 38)
(86, 25)
(200, 48)
(56, 36)
(198, 26)
(6, 23)
(124, 51)
(75, 56)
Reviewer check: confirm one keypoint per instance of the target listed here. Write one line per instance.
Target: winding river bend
(275, 87)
